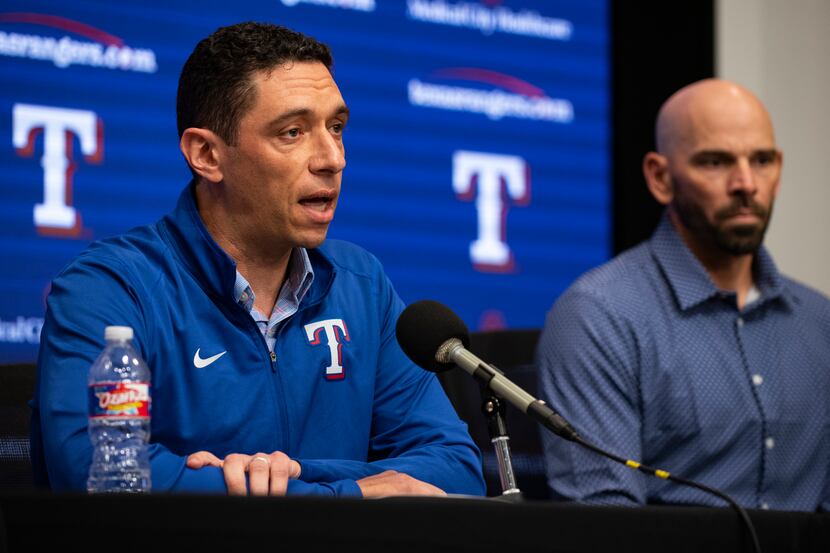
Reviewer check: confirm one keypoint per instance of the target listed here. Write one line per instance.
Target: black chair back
(17, 383)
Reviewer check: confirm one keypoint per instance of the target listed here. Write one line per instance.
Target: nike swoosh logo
(200, 363)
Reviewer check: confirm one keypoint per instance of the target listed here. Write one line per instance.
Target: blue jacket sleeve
(83, 300)
(415, 429)
(170, 474)
(587, 371)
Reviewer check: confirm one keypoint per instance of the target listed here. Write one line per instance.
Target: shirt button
(765, 506)
(740, 322)
(757, 379)
(274, 358)
(770, 443)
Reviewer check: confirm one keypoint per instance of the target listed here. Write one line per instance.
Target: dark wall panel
(657, 48)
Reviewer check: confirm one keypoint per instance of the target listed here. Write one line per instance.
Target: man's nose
(743, 180)
(329, 154)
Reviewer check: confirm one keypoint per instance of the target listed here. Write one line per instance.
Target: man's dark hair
(215, 88)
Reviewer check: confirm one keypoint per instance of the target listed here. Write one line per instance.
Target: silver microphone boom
(453, 351)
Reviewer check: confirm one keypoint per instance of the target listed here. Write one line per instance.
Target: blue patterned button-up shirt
(299, 276)
(647, 358)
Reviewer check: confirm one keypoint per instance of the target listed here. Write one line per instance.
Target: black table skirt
(55, 522)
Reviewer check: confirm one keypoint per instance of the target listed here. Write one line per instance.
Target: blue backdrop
(478, 146)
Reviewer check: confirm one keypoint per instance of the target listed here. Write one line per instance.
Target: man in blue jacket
(273, 354)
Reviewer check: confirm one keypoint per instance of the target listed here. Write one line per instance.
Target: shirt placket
(756, 381)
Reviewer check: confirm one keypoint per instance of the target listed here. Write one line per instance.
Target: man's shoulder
(350, 257)
(808, 297)
(621, 281)
(136, 251)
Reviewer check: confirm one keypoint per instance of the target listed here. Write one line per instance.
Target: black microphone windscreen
(423, 327)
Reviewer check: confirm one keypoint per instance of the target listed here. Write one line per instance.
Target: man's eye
(713, 162)
(292, 133)
(338, 128)
(764, 159)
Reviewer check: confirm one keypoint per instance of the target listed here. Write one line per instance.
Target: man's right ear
(658, 178)
(203, 150)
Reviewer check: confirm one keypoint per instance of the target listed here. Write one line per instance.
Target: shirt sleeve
(587, 363)
(415, 429)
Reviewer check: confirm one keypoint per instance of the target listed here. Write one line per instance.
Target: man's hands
(267, 474)
(395, 483)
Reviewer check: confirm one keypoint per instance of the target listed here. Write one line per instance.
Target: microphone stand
(493, 408)
(493, 379)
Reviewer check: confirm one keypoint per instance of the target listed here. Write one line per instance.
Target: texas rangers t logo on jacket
(335, 332)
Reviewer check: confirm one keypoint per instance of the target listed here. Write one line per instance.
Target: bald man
(691, 352)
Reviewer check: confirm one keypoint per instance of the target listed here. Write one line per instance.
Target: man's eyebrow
(712, 153)
(725, 154)
(343, 109)
(288, 115)
(303, 112)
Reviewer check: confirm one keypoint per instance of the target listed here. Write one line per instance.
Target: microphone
(436, 339)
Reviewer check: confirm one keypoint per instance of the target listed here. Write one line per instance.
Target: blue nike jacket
(174, 285)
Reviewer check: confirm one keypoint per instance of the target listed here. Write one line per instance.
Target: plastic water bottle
(119, 416)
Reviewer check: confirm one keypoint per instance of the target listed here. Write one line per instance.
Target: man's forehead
(714, 114)
(726, 133)
(306, 87)
(296, 74)
(722, 132)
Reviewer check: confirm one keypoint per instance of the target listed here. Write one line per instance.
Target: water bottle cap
(118, 333)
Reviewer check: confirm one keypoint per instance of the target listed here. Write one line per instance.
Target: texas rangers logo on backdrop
(331, 333)
(484, 177)
(59, 126)
(105, 51)
(489, 93)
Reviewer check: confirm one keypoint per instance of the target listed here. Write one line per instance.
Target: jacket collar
(688, 279)
(214, 269)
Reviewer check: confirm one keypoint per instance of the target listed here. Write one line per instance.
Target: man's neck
(266, 280)
(729, 272)
(264, 268)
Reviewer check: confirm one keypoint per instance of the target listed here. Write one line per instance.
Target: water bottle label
(127, 400)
